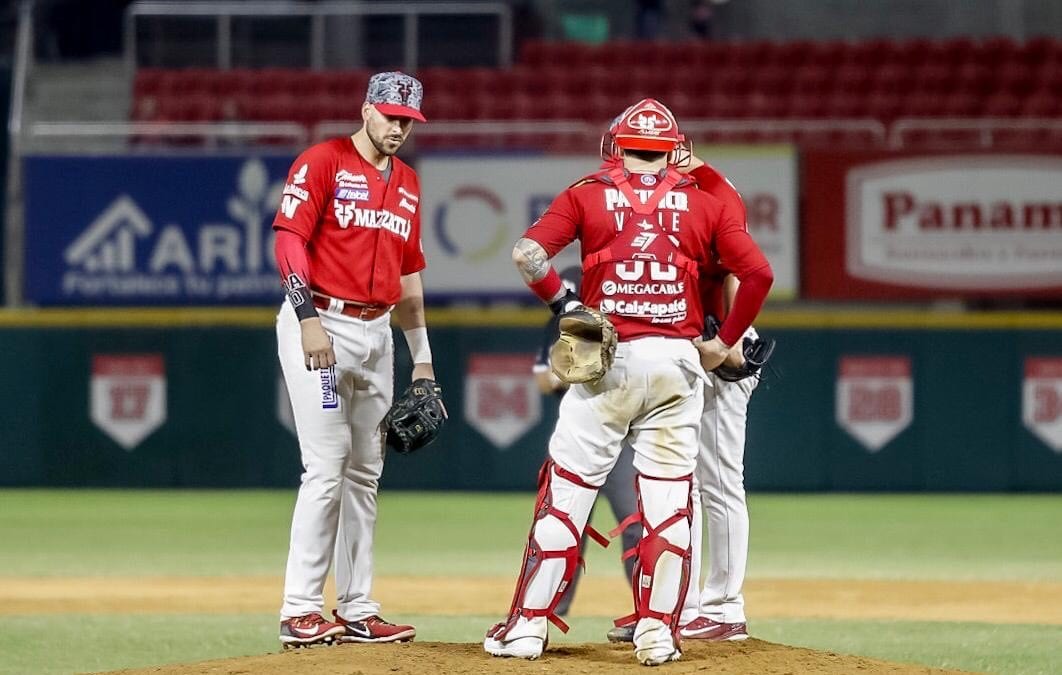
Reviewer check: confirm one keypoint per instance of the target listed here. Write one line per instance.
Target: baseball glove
(586, 347)
(416, 417)
(757, 352)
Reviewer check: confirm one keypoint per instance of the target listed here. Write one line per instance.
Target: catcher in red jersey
(348, 250)
(646, 233)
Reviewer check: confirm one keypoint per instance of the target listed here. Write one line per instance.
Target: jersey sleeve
(719, 186)
(306, 193)
(739, 253)
(558, 226)
(413, 250)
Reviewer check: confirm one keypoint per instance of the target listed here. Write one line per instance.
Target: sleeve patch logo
(289, 205)
(300, 176)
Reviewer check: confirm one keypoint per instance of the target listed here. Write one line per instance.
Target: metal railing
(411, 12)
(14, 232)
(150, 135)
(985, 130)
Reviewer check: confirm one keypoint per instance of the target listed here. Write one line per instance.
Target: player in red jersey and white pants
(716, 610)
(645, 232)
(348, 249)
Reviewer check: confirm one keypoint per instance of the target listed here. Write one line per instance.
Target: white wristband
(419, 349)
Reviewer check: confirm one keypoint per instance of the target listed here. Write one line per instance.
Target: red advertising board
(897, 226)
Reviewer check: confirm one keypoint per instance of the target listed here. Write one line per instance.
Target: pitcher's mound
(443, 658)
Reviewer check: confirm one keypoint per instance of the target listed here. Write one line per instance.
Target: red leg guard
(534, 554)
(648, 552)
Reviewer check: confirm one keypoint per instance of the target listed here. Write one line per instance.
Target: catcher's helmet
(646, 125)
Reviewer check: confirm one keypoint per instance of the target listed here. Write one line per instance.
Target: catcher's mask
(647, 125)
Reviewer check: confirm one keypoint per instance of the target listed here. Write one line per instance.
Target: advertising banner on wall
(146, 230)
(476, 207)
(904, 226)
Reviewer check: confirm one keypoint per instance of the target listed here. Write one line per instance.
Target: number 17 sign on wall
(875, 398)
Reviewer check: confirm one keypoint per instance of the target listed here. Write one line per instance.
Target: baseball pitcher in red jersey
(645, 232)
(348, 250)
(716, 612)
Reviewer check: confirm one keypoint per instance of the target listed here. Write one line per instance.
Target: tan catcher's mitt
(586, 347)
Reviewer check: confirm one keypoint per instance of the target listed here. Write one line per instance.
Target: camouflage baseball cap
(396, 94)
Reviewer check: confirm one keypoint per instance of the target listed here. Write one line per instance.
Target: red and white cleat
(308, 629)
(703, 628)
(374, 629)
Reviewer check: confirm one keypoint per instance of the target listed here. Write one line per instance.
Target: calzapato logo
(640, 308)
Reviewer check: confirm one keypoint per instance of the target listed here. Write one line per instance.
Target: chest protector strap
(647, 208)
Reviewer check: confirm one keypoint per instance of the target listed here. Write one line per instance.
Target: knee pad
(662, 568)
(552, 553)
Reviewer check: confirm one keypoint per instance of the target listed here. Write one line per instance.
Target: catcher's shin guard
(552, 552)
(662, 571)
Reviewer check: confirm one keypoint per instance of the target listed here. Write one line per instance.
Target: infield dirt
(1000, 602)
(431, 658)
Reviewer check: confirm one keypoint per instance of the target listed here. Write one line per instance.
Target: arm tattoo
(533, 262)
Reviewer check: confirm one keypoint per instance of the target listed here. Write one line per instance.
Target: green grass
(145, 533)
(157, 639)
(1010, 649)
(122, 533)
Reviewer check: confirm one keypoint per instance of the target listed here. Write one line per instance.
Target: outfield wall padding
(222, 427)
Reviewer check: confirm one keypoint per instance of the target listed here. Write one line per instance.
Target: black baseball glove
(757, 352)
(416, 417)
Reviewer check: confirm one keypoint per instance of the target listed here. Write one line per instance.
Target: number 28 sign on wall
(875, 398)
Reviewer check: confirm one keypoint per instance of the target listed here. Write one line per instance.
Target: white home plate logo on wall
(127, 396)
(1041, 400)
(875, 398)
(501, 400)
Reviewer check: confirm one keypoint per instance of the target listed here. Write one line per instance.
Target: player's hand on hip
(735, 358)
(316, 345)
(712, 352)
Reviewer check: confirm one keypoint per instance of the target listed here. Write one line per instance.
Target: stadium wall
(193, 398)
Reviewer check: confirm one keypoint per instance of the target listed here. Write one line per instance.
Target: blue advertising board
(152, 230)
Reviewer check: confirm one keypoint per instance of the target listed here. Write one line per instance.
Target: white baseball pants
(338, 415)
(652, 396)
(719, 485)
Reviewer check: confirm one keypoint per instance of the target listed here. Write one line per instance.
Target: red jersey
(716, 184)
(362, 231)
(712, 181)
(648, 285)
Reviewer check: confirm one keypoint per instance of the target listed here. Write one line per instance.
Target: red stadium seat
(853, 79)
(957, 50)
(883, 105)
(535, 53)
(1042, 103)
(790, 54)
(804, 105)
(844, 104)
(761, 104)
(148, 81)
(961, 104)
(923, 104)
(1002, 104)
(912, 53)
(974, 79)
(934, 77)
(996, 50)
(893, 78)
(826, 54)
(812, 80)
(1016, 77)
(774, 80)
